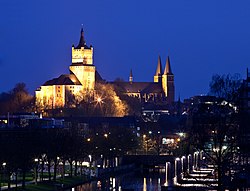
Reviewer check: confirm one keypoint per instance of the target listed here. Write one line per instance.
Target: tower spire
(82, 42)
(168, 67)
(158, 73)
(159, 67)
(131, 77)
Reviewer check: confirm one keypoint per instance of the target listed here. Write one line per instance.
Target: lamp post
(188, 162)
(177, 168)
(2, 174)
(168, 173)
(35, 171)
(183, 163)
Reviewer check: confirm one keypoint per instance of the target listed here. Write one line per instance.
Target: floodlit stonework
(81, 81)
(54, 93)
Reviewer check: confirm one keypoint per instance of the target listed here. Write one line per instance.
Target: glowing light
(181, 134)
(99, 99)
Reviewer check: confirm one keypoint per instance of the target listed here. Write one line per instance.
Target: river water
(136, 181)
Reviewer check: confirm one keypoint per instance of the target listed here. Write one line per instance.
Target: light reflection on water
(132, 181)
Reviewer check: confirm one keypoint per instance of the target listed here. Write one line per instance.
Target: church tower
(82, 64)
(158, 73)
(131, 77)
(168, 82)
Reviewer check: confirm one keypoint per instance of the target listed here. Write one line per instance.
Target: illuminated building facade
(162, 89)
(54, 93)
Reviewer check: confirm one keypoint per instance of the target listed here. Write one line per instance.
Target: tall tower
(168, 82)
(82, 64)
(131, 77)
(158, 73)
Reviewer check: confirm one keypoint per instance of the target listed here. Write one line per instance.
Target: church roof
(65, 79)
(98, 77)
(142, 87)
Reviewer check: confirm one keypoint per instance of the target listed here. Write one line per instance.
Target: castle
(83, 76)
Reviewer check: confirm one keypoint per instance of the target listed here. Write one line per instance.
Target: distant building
(83, 76)
(29, 120)
(161, 89)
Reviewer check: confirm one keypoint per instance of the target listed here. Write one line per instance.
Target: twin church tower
(83, 76)
(166, 79)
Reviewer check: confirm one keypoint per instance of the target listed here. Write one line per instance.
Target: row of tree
(24, 149)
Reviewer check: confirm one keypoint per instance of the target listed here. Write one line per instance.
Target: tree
(107, 102)
(215, 133)
(225, 86)
(16, 100)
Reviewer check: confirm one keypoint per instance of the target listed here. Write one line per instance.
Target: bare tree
(225, 86)
(215, 133)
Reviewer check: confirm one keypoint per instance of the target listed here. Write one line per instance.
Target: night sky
(201, 37)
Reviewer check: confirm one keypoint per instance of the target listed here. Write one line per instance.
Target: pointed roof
(168, 67)
(82, 42)
(65, 79)
(130, 76)
(159, 67)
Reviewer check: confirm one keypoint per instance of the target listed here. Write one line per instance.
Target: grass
(50, 186)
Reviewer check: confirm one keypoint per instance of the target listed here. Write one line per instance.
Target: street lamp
(145, 143)
(2, 174)
(35, 171)
(182, 163)
(176, 169)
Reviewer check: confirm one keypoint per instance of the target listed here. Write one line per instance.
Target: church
(83, 76)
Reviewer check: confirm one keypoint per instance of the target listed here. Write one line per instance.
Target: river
(136, 181)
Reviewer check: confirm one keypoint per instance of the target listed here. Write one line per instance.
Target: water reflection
(150, 181)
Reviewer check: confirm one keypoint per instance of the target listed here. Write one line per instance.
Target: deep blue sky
(201, 37)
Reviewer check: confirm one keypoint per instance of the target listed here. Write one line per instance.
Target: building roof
(98, 77)
(168, 67)
(159, 67)
(140, 87)
(65, 79)
(82, 42)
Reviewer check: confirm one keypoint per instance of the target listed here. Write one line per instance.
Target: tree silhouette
(225, 86)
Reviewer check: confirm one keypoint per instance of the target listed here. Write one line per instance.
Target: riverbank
(70, 182)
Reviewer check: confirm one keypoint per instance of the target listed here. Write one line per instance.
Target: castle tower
(158, 73)
(168, 82)
(82, 64)
(131, 77)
